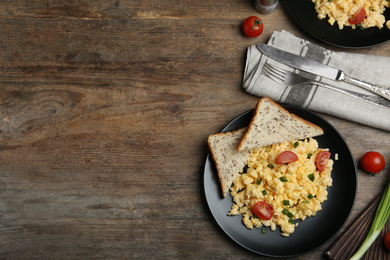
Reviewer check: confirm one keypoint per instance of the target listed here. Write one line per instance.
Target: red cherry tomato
(286, 157)
(372, 162)
(358, 17)
(262, 210)
(387, 240)
(322, 160)
(252, 26)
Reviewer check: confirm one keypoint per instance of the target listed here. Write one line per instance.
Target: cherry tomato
(286, 157)
(358, 17)
(322, 160)
(252, 26)
(387, 240)
(262, 210)
(372, 162)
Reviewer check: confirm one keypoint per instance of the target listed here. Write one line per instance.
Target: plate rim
(297, 18)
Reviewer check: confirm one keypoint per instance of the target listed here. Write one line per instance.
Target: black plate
(305, 15)
(309, 234)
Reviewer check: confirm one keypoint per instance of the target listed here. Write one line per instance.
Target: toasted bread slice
(272, 124)
(228, 161)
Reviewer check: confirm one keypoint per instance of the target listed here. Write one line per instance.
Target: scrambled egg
(299, 183)
(340, 11)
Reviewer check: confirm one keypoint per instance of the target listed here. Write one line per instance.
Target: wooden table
(105, 110)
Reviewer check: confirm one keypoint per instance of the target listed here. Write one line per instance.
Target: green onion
(296, 144)
(258, 182)
(286, 202)
(309, 155)
(310, 196)
(306, 201)
(289, 215)
(283, 179)
(270, 166)
(381, 215)
(264, 192)
(360, 26)
(264, 231)
(311, 177)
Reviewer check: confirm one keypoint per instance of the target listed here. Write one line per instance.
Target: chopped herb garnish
(283, 179)
(264, 192)
(310, 196)
(296, 144)
(287, 213)
(270, 166)
(286, 202)
(309, 155)
(306, 201)
(254, 216)
(311, 177)
(258, 182)
(263, 231)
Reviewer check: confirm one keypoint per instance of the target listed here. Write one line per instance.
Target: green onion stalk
(381, 215)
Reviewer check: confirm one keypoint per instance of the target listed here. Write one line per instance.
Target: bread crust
(230, 150)
(228, 161)
(249, 141)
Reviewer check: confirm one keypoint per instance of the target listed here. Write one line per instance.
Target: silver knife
(318, 68)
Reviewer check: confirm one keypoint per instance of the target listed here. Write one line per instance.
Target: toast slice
(228, 161)
(272, 124)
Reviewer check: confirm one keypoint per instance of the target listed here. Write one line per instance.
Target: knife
(318, 68)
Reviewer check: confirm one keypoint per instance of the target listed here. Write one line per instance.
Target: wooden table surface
(105, 109)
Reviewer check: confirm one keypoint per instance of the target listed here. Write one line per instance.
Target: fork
(293, 79)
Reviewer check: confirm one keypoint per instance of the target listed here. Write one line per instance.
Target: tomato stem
(256, 23)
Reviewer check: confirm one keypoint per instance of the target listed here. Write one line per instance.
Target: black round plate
(305, 15)
(309, 234)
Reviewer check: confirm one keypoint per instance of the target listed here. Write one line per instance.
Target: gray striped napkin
(366, 108)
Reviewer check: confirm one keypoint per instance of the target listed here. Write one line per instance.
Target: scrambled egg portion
(340, 11)
(298, 184)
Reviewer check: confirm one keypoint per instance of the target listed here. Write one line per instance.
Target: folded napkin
(374, 69)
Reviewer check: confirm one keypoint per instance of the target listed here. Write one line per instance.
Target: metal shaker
(266, 6)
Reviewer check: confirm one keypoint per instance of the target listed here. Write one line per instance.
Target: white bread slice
(228, 161)
(272, 124)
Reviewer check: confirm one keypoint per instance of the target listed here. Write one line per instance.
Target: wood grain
(105, 109)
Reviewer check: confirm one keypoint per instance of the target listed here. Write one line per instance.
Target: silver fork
(293, 79)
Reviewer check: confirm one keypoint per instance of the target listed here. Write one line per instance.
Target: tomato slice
(387, 240)
(286, 157)
(358, 17)
(322, 160)
(263, 210)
